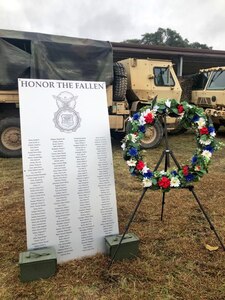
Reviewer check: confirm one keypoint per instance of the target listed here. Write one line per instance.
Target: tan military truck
(131, 83)
(144, 79)
(10, 141)
(208, 92)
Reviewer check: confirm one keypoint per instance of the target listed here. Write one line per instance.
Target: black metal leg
(168, 158)
(160, 160)
(175, 160)
(163, 203)
(127, 227)
(191, 188)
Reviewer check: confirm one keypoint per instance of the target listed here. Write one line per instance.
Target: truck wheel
(10, 138)
(153, 136)
(119, 82)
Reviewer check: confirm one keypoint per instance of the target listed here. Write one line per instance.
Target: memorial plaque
(67, 163)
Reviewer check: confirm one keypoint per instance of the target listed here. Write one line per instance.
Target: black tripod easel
(167, 154)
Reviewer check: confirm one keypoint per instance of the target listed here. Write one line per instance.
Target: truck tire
(10, 137)
(119, 82)
(153, 136)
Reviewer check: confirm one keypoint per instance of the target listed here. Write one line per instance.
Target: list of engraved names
(35, 176)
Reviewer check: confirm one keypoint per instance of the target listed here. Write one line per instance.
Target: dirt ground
(173, 262)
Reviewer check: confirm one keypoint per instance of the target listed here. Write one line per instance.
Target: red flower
(185, 170)
(140, 165)
(204, 130)
(149, 118)
(180, 108)
(164, 182)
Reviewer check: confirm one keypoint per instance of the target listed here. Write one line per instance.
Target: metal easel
(167, 154)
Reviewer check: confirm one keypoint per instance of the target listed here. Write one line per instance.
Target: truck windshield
(163, 77)
(200, 80)
(217, 80)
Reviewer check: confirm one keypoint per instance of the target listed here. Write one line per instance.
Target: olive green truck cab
(131, 83)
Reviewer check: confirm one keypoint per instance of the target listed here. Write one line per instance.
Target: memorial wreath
(191, 117)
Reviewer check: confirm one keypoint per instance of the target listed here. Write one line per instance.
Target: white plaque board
(67, 163)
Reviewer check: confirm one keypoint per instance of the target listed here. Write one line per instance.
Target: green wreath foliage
(191, 117)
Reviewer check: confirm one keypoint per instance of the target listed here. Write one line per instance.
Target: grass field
(173, 262)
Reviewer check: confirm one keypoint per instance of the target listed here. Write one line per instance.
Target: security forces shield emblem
(66, 119)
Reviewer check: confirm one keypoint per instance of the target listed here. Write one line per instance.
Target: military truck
(131, 83)
(146, 79)
(208, 92)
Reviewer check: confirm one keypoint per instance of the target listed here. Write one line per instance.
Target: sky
(200, 21)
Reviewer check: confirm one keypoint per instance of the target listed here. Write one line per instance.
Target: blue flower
(195, 118)
(194, 159)
(142, 128)
(148, 174)
(209, 148)
(136, 116)
(174, 173)
(189, 177)
(133, 151)
(211, 129)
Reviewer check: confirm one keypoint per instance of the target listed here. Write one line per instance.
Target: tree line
(166, 37)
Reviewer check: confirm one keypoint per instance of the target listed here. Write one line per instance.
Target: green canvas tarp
(43, 56)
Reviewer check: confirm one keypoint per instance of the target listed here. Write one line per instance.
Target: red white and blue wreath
(191, 117)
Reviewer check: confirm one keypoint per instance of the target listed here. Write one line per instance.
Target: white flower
(163, 172)
(133, 137)
(130, 119)
(168, 103)
(174, 182)
(123, 146)
(145, 170)
(142, 120)
(207, 142)
(213, 133)
(155, 108)
(201, 123)
(147, 182)
(207, 154)
(131, 162)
